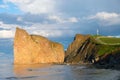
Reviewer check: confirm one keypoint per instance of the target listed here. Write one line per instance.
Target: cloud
(49, 33)
(106, 18)
(73, 19)
(3, 6)
(41, 18)
(11, 18)
(1, 54)
(53, 33)
(34, 6)
(45, 25)
(43, 29)
(19, 19)
(56, 18)
(23, 19)
(59, 19)
(7, 26)
(7, 30)
(6, 34)
(50, 30)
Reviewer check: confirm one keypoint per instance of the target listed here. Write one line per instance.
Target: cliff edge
(81, 50)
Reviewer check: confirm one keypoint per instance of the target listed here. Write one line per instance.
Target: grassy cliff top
(107, 40)
(106, 44)
(110, 40)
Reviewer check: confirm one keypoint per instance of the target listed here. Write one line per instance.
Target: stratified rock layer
(34, 49)
(81, 50)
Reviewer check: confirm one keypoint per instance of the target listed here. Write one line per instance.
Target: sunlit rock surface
(34, 49)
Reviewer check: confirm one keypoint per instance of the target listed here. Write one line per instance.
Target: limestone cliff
(34, 49)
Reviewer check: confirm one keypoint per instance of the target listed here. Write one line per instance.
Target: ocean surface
(8, 71)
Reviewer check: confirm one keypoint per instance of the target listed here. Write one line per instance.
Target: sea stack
(34, 49)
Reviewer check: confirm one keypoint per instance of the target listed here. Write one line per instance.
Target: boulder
(34, 49)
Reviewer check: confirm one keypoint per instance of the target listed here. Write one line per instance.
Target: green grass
(106, 45)
(106, 49)
(111, 40)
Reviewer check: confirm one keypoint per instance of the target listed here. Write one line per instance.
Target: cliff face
(33, 49)
(81, 50)
(88, 49)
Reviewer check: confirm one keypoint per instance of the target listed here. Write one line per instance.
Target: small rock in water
(30, 70)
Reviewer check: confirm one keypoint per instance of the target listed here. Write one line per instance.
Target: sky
(60, 18)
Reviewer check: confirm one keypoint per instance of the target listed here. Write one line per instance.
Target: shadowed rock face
(111, 60)
(33, 49)
(81, 50)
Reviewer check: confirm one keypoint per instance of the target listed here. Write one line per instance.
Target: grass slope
(110, 40)
(106, 45)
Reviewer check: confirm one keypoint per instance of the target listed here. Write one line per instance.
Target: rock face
(34, 49)
(81, 50)
(111, 60)
(87, 49)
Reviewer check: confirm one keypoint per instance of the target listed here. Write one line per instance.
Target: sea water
(8, 71)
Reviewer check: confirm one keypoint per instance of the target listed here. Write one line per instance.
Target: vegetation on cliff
(106, 44)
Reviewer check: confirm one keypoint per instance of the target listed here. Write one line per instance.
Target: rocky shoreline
(34, 49)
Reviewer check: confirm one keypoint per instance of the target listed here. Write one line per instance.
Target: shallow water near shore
(8, 71)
